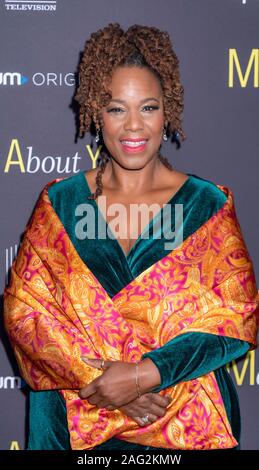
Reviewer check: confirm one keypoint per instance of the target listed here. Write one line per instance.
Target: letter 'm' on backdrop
(217, 43)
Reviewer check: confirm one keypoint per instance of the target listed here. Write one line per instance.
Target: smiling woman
(124, 340)
(136, 125)
(132, 130)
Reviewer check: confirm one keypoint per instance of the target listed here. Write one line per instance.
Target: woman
(124, 339)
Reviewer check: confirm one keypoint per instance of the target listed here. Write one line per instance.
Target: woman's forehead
(135, 80)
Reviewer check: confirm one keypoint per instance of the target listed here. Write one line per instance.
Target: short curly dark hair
(140, 46)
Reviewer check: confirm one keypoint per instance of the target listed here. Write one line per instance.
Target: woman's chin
(135, 162)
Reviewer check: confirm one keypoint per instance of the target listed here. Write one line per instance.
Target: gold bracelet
(137, 382)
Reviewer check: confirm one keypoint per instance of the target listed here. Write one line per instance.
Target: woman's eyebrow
(142, 101)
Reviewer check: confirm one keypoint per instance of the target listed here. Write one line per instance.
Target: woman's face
(135, 113)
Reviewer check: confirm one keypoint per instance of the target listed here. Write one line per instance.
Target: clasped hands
(116, 389)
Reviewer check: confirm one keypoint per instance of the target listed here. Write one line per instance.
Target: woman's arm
(187, 357)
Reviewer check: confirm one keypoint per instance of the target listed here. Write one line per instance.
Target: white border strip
(31, 1)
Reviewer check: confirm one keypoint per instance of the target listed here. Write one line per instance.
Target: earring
(176, 134)
(97, 138)
(164, 134)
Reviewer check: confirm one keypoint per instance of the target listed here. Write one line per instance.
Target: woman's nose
(133, 121)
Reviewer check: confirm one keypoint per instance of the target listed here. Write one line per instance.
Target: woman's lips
(135, 147)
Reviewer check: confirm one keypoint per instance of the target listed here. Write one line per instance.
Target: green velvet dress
(185, 357)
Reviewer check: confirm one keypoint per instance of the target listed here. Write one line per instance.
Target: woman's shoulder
(205, 197)
(63, 185)
(208, 189)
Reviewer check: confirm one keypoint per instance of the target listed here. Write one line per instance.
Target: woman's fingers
(157, 406)
(150, 404)
(158, 411)
(104, 404)
(154, 412)
(110, 408)
(151, 419)
(159, 400)
(138, 421)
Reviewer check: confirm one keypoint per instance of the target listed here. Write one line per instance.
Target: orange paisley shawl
(55, 311)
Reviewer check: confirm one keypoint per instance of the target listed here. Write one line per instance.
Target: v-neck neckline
(147, 227)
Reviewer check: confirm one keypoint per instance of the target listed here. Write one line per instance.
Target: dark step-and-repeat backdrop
(217, 43)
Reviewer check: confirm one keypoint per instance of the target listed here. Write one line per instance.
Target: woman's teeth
(133, 144)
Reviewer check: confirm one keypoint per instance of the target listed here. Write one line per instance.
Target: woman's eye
(151, 108)
(112, 110)
(118, 110)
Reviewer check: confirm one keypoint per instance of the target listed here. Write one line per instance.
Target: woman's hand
(116, 387)
(149, 405)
